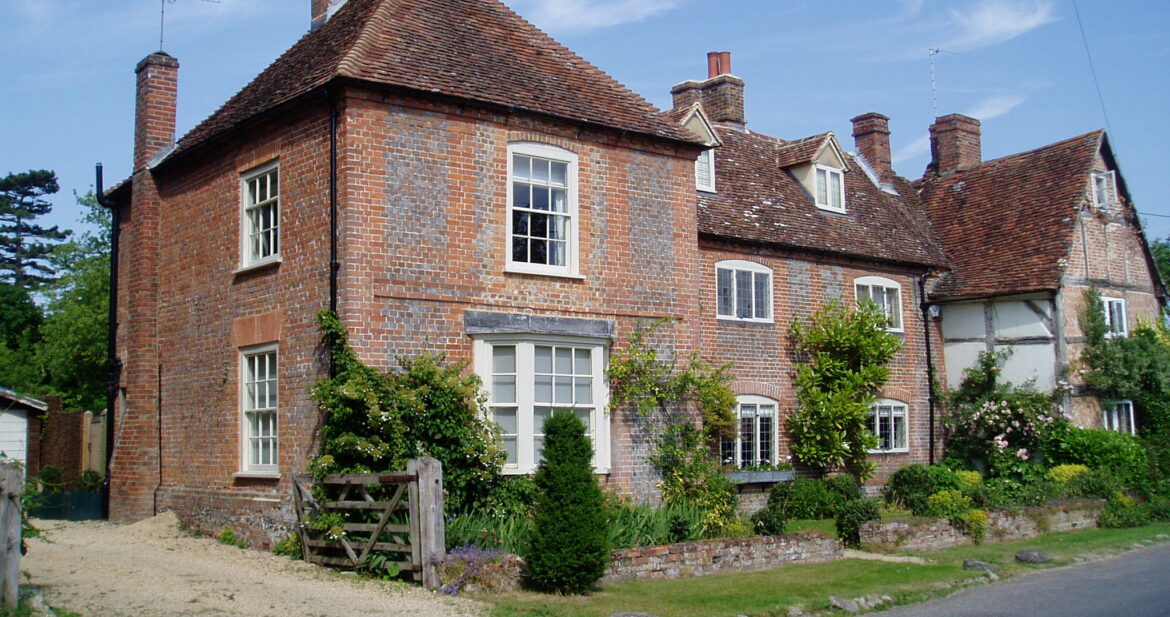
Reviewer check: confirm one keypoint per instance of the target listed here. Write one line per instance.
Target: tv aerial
(162, 18)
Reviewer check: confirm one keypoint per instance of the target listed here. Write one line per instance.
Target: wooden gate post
(11, 485)
(432, 539)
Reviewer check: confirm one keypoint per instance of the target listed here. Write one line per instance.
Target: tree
(20, 323)
(1161, 251)
(72, 351)
(25, 246)
(570, 543)
(844, 355)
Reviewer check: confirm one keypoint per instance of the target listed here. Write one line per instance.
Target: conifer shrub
(569, 548)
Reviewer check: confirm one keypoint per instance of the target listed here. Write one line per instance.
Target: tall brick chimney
(954, 144)
(155, 106)
(321, 11)
(721, 94)
(871, 136)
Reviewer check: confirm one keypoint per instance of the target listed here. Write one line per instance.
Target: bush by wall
(851, 515)
(911, 486)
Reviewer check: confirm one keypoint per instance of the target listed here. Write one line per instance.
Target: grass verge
(769, 593)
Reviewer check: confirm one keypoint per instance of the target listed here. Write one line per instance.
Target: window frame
(736, 266)
(1118, 416)
(1107, 178)
(705, 161)
(248, 259)
(525, 403)
(1107, 304)
(887, 284)
(247, 466)
(829, 172)
(875, 414)
(571, 216)
(737, 443)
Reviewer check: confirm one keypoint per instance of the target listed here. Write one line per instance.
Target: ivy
(843, 357)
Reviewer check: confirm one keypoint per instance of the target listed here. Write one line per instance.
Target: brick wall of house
(762, 353)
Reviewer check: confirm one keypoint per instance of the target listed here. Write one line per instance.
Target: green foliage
(228, 536)
(850, 517)
(289, 546)
(505, 532)
(1094, 484)
(1120, 513)
(1000, 429)
(976, 524)
(969, 481)
(90, 481)
(1160, 248)
(377, 422)
(771, 520)
(568, 550)
(473, 567)
(691, 476)
(24, 245)
(653, 384)
(632, 525)
(51, 479)
(843, 357)
(1061, 474)
(949, 504)
(20, 319)
(380, 566)
(1100, 449)
(911, 486)
(511, 496)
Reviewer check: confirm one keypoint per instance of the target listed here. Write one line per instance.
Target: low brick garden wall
(921, 534)
(724, 555)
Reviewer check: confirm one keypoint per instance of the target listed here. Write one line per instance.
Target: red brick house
(786, 226)
(1027, 235)
(445, 175)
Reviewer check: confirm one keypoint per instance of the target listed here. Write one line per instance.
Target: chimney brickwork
(721, 94)
(954, 144)
(871, 136)
(156, 106)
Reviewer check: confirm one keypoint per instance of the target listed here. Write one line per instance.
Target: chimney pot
(955, 144)
(871, 135)
(725, 63)
(712, 64)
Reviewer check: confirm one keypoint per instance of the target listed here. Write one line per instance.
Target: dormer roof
(695, 120)
(821, 149)
(474, 50)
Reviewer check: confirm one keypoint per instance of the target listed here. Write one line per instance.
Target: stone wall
(922, 534)
(729, 554)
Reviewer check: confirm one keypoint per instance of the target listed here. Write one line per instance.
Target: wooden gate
(396, 513)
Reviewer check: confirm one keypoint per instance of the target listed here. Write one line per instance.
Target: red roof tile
(477, 50)
(801, 151)
(759, 201)
(1007, 225)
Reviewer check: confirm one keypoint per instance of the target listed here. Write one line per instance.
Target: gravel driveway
(152, 569)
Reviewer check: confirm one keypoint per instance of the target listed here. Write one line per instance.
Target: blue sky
(1020, 66)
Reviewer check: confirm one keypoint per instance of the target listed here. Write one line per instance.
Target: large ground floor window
(755, 441)
(529, 379)
(888, 421)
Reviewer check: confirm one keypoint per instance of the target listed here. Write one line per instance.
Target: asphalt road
(1135, 584)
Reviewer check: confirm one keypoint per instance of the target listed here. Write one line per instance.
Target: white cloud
(995, 107)
(579, 15)
(916, 148)
(996, 21)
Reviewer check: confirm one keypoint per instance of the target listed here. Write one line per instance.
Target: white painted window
(529, 379)
(259, 402)
(885, 294)
(830, 188)
(705, 171)
(1115, 322)
(1118, 416)
(542, 210)
(1104, 188)
(887, 420)
(755, 440)
(261, 217)
(743, 291)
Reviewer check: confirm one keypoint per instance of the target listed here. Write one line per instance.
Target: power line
(1092, 68)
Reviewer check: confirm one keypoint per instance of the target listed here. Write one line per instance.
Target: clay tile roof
(801, 150)
(1007, 225)
(758, 201)
(477, 50)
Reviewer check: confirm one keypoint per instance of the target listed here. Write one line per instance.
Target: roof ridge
(1055, 144)
(346, 65)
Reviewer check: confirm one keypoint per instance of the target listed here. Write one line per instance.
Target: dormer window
(1104, 188)
(830, 189)
(705, 171)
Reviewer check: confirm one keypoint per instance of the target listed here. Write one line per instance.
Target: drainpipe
(924, 306)
(334, 265)
(113, 364)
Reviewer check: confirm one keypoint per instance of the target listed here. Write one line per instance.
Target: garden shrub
(1118, 514)
(949, 504)
(1101, 449)
(850, 517)
(90, 481)
(843, 488)
(975, 522)
(812, 499)
(505, 532)
(912, 485)
(511, 496)
(568, 550)
(632, 525)
(1159, 509)
(51, 479)
(969, 481)
(691, 476)
(1061, 474)
(289, 546)
(1094, 484)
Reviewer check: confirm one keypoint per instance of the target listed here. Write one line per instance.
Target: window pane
(543, 359)
(556, 253)
(564, 361)
(539, 198)
(563, 390)
(505, 417)
(519, 249)
(822, 187)
(765, 451)
(521, 166)
(762, 299)
(510, 450)
(586, 418)
(520, 195)
(540, 170)
(504, 389)
(560, 202)
(583, 363)
(583, 390)
(560, 173)
(503, 359)
(723, 292)
(537, 252)
(899, 430)
(835, 189)
(543, 389)
(743, 294)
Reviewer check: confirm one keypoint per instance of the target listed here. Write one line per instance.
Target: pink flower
(1022, 453)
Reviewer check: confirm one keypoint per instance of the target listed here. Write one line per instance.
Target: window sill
(888, 452)
(842, 211)
(754, 322)
(515, 471)
(263, 264)
(256, 475)
(511, 269)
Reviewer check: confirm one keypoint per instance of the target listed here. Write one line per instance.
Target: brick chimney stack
(871, 136)
(954, 144)
(321, 11)
(156, 105)
(721, 94)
